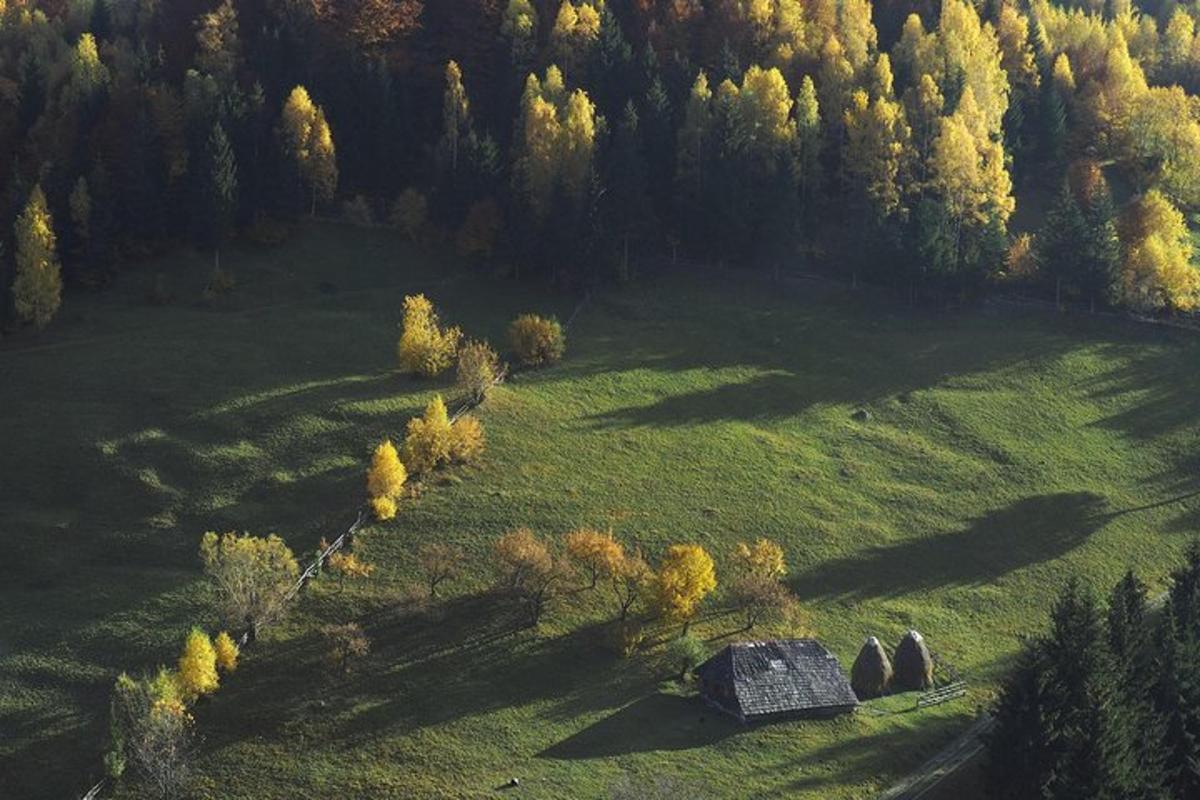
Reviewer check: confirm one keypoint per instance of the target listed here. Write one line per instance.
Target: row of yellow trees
(538, 571)
(428, 348)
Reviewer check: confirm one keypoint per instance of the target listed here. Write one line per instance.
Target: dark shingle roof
(781, 676)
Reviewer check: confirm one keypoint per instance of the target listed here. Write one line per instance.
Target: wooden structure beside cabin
(782, 679)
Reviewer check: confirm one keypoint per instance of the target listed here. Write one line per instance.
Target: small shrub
(467, 441)
(227, 652)
(385, 480)
(478, 369)
(685, 654)
(537, 340)
(424, 347)
(267, 230)
(345, 644)
(440, 563)
(1021, 260)
(410, 213)
(358, 212)
(221, 283)
(478, 233)
(625, 637)
(428, 442)
(348, 565)
(197, 666)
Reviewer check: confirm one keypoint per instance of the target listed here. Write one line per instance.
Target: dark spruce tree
(218, 197)
(626, 205)
(1177, 693)
(611, 69)
(1019, 745)
(1137, 728)
(1062, 242)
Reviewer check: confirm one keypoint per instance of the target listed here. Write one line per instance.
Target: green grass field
(1002, 454)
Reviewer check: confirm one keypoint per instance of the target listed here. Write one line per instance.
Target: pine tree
(219, 194)
(1020, 742)
(1177, 700)
(628, 205)
(612, 65)
(37, 288)
(1137, 731)
(1062, 241)
(1103, 251)
(1053, 123)
(693, 157)
(1084, 758)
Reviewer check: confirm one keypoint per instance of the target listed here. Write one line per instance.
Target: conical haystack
(871, 674)
(914, 665)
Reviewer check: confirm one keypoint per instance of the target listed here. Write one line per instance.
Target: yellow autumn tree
(576, 30)
(252, 576)
(348, 565)
(1158, 273)
(877, 138)
(521, 554)
(428, 442)
(385, 480)
(685, 577)
(519, 25)
(227, 652)
(198, 666)
(456, 114)
(425, 347)
(967, 167)
(308, 140)
(467, 439)
(763, 558)
(88, 73)
(598, 554)
(556, 141)
(37, 288)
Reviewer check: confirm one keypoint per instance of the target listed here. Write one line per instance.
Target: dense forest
(568, 141)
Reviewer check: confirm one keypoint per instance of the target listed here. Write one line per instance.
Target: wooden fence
(313, 569)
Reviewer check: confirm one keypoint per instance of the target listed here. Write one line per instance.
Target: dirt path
(945, 763)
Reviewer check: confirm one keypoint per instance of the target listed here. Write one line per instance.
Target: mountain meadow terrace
(1002, 453)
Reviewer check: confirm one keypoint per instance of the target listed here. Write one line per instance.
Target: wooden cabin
(781, 679)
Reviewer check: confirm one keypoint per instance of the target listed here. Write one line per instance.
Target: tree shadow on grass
(655, 722)
(769, 396)
(468, 656)
(1030, 531)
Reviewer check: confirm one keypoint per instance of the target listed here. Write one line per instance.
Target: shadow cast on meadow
(1028, 532)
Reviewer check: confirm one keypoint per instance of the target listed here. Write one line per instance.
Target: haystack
(914, 665)
(871, 674)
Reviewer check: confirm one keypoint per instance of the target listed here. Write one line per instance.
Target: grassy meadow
(1002, 453)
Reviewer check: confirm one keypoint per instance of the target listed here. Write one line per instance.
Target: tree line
(569, 139)
(1106, 704)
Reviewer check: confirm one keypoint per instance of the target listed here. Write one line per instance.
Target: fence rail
(935, 697)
